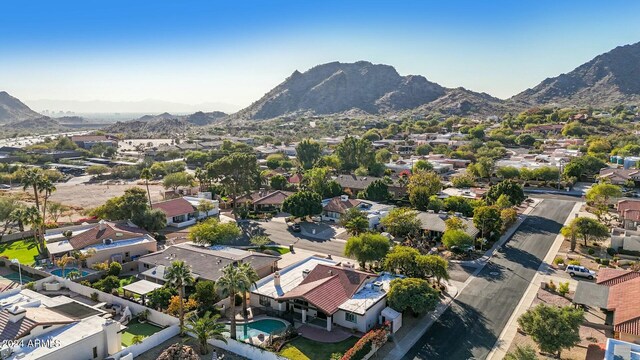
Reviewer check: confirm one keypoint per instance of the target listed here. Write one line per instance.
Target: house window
(265, 301)
(351, 317)
(146, 266)
(95, 352)
(178, 219)
(126, 254)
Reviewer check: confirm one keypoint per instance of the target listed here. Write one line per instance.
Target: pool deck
(322, 335)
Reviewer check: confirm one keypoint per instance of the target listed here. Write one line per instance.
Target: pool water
(58, 272)
(255, 328)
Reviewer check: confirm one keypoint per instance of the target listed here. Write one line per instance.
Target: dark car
(295, 228)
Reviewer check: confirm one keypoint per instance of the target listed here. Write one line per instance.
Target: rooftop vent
(377, 285)
(305, 272)
(107, 241)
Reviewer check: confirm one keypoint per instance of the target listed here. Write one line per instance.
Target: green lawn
(305, 349)
(135, 328)
(23, 250)
(281, 250)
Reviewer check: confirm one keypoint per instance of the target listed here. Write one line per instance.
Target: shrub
(615, 259)
(591, 251)
(611, 251)
(604, 262)
(558, 261)
(94, 296)
(114, 268)
(574, 262)
(563, 288)
(30, 285)
(551, 286)
(629, 252)
(598, 260)
(375, 337)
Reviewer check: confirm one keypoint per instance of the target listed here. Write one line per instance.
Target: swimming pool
(58, 272)
(262, 326)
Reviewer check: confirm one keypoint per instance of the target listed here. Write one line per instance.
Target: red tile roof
(610, 277)
(174, 207)
(623, 300)
(295, 179)
(327, 287)
(95, 235)
(629, 209)
(337, 205)
(265, 198)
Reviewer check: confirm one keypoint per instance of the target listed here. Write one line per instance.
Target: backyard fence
(148, 343)
(246, 350)
(16, 236)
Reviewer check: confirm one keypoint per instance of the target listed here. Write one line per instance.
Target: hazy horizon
(202, 54)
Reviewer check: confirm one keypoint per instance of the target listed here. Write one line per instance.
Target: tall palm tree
(179, 276)
(33, 179)
(232, 281)
(63, 262)
(146, 175)
(19, 215)
(252, 276)
(206, 327)
(48, 188)
(32, 217)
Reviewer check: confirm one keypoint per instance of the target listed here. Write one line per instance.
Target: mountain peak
(12, 109)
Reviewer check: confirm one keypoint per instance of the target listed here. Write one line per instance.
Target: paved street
(470, 327)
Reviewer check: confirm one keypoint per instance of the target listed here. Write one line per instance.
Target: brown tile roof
(327, 287)
(33, 317)
(174, 207)
(95, 235)
(295, 179)
(629, 209)
(337, 205)
(623, 300)
(610, 277)
(276, 197)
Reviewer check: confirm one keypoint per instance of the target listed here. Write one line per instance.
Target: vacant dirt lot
(86, 196)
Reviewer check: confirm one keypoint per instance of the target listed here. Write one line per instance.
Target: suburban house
(473, 193)
(625, 239)
(332, 209)
(264, 200)
(619, 176)
(205, 262)
(295, 179)
(616, 291)
(323, 293)
(88, 141)
(629, 213)
(184, 211)
(355, 184)
(65, 328)
(110, 241)
(433, 225)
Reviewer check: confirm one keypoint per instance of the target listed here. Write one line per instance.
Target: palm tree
(34, 179)
(146, 175)
(19, 215)
(83, 256)
(179, 276)
(252, 277)
(233, 280)
(63, 262)
(73, 274)
(206, 327)
(32, 217)
(48, 187)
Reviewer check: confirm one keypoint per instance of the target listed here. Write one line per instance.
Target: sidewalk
(509, 332)
(401, 342)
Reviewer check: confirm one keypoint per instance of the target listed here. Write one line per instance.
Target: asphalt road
(473, 323)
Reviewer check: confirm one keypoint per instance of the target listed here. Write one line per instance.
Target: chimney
(305, 272)
(344, 197)
(276, 278)
(101, 225)
(377, 285)
(16, 313)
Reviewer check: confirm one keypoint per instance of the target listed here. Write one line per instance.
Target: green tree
(401, 259)
(508, 172)
(422, 185)
(509, 188)
(525, 140)
(457, 238)
(553, 328)
(503, 202)
(462, 181)
(455, 223)
(232, 281)
(402, 222)
(487, 219)
(599, 197)
(308, 152)
(204, 328)
(160, 298)
(367, 247)
(376, 191)
(134, 201)
(214, 232)
(482, 168)
(114, 268)
(383, 156)
(178, 275)
(522, 353)
(355, 221)
(236, 172)
(34, 179)
(583, 167)
(252, 276)
(586, 228)
(412, 294)
(278, 182)
(354, 153)
(206, 296)
(303, 204)
(97, 170)
(7, 206)
(423, 149)
(151, 220)
(176, 180)
(422, 165)
(433, 266)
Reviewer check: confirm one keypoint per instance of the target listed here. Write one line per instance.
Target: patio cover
(591, 294)
(141, 287)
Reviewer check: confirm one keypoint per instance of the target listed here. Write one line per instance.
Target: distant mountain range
(148, 106)
(365, 88)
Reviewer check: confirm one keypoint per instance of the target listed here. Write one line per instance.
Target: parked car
(295, 228)
(577, 270)
(5, 187)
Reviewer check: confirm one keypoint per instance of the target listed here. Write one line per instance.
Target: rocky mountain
(460, 101)
(150, 128)
(201, 118)
(12, 109)
(338, 87)
(608, 79)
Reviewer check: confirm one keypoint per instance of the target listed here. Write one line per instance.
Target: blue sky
(233, 52)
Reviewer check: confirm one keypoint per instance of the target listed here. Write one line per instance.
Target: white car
(576, 270)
